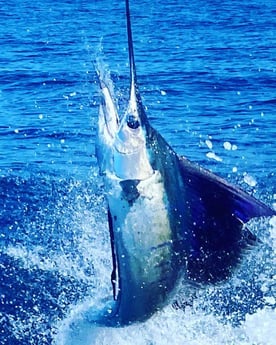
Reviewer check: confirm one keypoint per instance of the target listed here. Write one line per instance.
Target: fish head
(122, 140)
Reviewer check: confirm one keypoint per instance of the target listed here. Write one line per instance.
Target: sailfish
(169, 218)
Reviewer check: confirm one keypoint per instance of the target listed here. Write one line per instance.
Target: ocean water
(207, 74)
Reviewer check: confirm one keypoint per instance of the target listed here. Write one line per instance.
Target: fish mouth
(123, 137)
(125, 131)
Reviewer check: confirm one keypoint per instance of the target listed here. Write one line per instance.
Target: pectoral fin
(114, 273)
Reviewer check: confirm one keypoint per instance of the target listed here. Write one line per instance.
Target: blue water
(207, 73)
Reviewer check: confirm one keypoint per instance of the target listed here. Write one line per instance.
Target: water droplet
(209, 144)
(227, 145)
(249, 180)
(212, 155)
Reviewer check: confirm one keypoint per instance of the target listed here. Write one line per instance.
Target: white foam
(88, 252)
(171, 326)
(260, 327)
(272, 223)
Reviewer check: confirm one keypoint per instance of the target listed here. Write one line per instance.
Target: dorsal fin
(216, 215)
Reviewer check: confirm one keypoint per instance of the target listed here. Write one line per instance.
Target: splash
(192, 327)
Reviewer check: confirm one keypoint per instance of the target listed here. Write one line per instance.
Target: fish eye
(132, 122)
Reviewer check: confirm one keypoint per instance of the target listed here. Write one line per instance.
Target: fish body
(168, 217)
